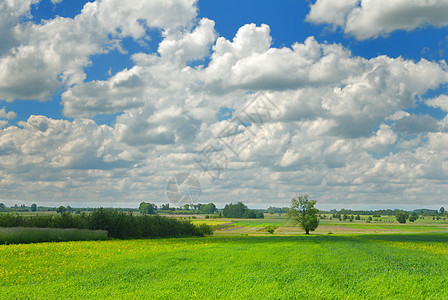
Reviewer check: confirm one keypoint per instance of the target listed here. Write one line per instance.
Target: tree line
(118, 224)
(150, 209)
(239, 210)
(387, 212)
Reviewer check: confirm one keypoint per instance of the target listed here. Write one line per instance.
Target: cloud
(11, 13)
(372, 18)
(440, 102)
(122, 91)
(340, 131)
(7, 115)
(153, 75)
(333, 12)
(415, 124)
(42, 57)
(382, 140)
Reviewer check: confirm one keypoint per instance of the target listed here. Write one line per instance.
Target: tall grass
(16, 235)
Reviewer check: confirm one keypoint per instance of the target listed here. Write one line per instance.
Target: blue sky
(103, 102)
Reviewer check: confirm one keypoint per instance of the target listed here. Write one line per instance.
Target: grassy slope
(270, 267)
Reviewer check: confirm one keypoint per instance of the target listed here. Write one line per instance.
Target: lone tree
(304, 213)
(402, 216)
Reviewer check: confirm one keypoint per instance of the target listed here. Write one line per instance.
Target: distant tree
(304, 213)
(413, 217)
(61, 209)
(2, 207)
(186, 207)
(208, 208)
(259, 214)
(33, 207)
(249, 214)
(358, 217)
(239, 210)
(234, 210)
(147, 208)
(442, 210)
(401, 216)
(69, 208)
(165, 206)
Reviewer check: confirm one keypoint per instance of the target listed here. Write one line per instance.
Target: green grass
(406, 266)
(259, 222)
(208, 222)
(15, 235)
(401, 227)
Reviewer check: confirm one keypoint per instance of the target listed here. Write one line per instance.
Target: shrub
(204, 229)
(271, 229)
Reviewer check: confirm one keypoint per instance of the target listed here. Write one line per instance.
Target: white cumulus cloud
(372, 18)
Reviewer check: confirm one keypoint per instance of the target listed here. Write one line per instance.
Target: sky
(111, 103)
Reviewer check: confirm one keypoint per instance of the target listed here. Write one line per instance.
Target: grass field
(340, 260)
(412, 266)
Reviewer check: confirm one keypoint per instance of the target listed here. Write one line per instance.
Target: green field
(340, 260)
(412, 266)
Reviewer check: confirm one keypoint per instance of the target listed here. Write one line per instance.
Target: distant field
(406, 266)
(260, 222)
(388, 224)
(209, 222)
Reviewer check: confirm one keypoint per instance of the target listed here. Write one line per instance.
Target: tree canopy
(240, 210)
(304, 213)
(402, 216)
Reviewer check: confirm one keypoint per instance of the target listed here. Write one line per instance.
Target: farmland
(254, 267)
(356, 260)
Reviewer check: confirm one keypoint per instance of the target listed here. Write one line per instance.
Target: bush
(204, 229)
(271, 229)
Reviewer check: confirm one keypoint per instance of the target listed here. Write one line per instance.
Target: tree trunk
(307, 231)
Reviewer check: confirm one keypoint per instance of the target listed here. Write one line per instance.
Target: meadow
(357, 260)
(397, 266)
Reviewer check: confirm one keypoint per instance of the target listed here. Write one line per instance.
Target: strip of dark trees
(118, 224)
(240, 210)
